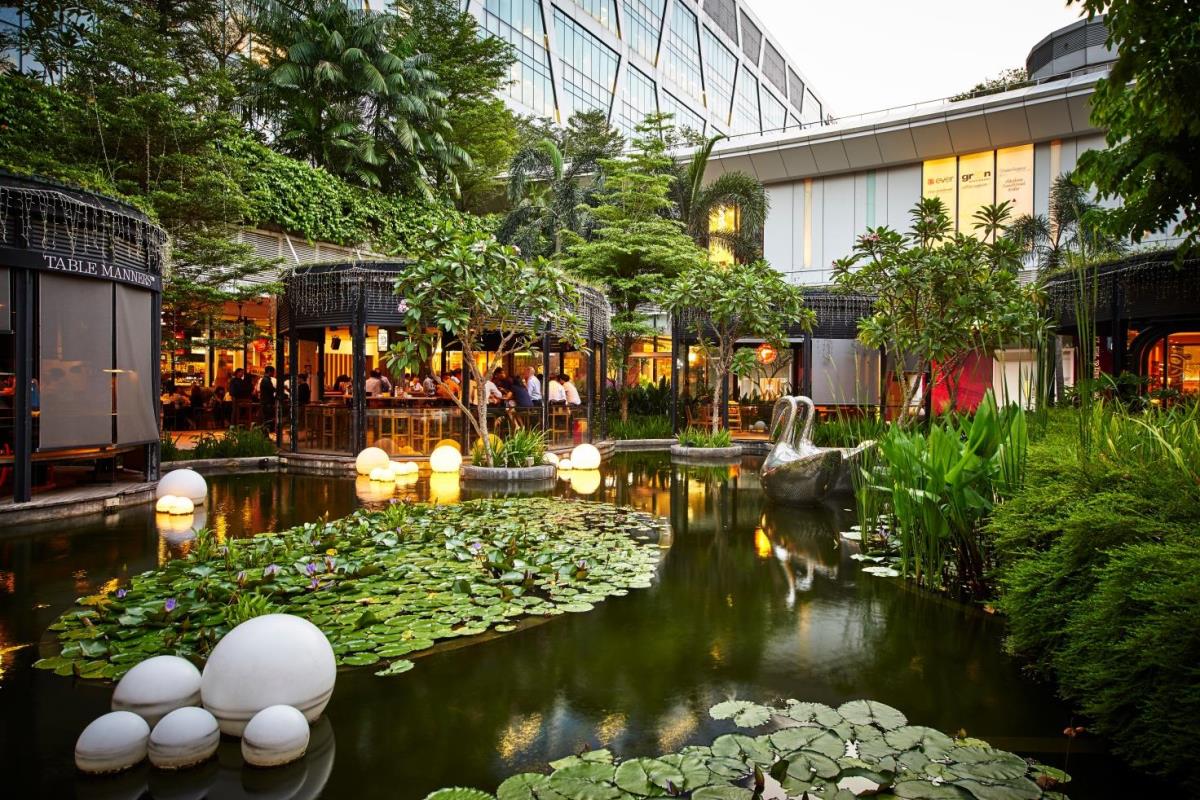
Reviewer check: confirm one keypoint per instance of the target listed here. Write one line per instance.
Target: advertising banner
(939, 179)
(976, 188)
(1014, 179)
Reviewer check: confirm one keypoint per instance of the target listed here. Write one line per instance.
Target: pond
(751, 602)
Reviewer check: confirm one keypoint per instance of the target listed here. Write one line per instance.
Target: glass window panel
(773, 67)
(724, 13)
(683, 52)
(637, 101)
(751, 39)
(746, 113)
(603, 10)
(685, 117)
(795, 89)
(520, 23)
(720, 67)
(75, 362)
(774, 115)
(643, 24)
(137, 410)
(588, 68)
(812, 108)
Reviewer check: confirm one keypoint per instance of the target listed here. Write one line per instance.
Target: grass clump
(641, 427)
(702, 437)
(237, 442)
(523, 448)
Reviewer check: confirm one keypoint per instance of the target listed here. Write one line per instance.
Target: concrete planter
(541, 472)
(707, 455)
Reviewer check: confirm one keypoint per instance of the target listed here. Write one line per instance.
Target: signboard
(976, 188)
(79, 267)
(1014, 179)
(939, 179)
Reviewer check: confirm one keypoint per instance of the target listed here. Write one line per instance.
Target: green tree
(724, 304)
(340, 89)
(696, 203)
(939, 295)
(464, 284)
(634, 245)
(1149, 107)
(553, 182)
(1069, 234)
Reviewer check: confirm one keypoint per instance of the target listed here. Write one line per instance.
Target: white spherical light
(182, 506)
(164, 504)
(565, 465)
(585, 481)
(276, 735)
(550, 458)
(585, 456)
(183, 483)
(382, 475)
(760, 426)
(444, 488)
(445, 459)
(112, 743)
(157, 686)
(185, 737)
(269, 660)
(369, 459)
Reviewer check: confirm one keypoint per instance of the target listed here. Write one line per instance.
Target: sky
(867, 55)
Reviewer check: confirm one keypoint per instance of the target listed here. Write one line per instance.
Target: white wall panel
(837, 228)
(780, 228)
(904, 190)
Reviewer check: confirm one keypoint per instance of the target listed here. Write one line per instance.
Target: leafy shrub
(524, 448)
(647, 399)
(641, 427)
(848, 431)
(237, 442)
(702, 437)
(169, 450)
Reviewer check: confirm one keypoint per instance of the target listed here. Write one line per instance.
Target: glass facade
(685, 118)
(774, 115)
(520, 23)
(603, 10)
(643, 26)
(747, 117)
(588, 68)
(721, 66)
(638, 100)
(683, 53)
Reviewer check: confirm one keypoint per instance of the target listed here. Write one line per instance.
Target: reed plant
(641, 427)
(701, 437)
(523, 448)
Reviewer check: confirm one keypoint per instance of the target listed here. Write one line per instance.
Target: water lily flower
(314, 584)
(241, 578)
(270, 569)
(169, 606)
(121, 594)
(476, 547)
(311, 569)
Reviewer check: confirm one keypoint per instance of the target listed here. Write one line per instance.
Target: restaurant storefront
(336, 323)
(80, 300)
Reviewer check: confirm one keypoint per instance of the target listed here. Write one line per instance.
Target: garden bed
(500, 475)
(380, 584)
(706, 454)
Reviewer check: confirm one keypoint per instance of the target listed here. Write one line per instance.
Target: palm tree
(1067, 234)
(697, 203)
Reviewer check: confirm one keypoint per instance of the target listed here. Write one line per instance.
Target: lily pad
(870, 712)
(649, 777)
(744, 714)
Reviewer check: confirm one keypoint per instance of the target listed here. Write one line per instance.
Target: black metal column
(277, 410)
(22, 303)
(154, 450)
(294, 386)
(674, 376)
(591, 387)
(318, 391)
(358, 338)
(546, 382)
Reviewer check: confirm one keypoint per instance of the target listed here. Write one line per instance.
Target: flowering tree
(464, 284)
(730, 303)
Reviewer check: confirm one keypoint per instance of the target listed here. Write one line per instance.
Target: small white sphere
(382, 475)
(585, 481)
(550, 458)
(410, 468)
(760, 426)
(269, 660)
(113, 742)
(182, 506)
(565, 465)
(165, 503)
(183, 483)
(276, 735)
(183, 738)
(158, 686)
(369, 459)
(585, 456)
(445, 459)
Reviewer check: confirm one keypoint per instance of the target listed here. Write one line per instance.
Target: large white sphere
(585, 481)
(445, 459)
(585, 456)
(276, 735)
(112, 743)
(182, 506)
(183, 483)
(164, 504)
(185, 737)
(158, 686)
(369, 459)
(275, 659)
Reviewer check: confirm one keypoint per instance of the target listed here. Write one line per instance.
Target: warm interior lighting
(762, 545)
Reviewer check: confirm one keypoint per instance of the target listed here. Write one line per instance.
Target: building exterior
(709, 62)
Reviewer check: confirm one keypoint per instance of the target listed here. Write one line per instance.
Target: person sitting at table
(219, 405)
(448, 389)
(533, 385)
(239, 387)
(518, 395)
(374, 384)
(569, 390)
(491, 389)
(429, 385)
(266, 396)
(554, 391)
(303, 390)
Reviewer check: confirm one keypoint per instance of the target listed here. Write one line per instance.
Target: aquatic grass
(380, 584)
(237, 442)
(807, 750)
(641, 427)
(522, 448)
(702, 437)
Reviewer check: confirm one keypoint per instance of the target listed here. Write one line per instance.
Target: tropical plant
(522, 448)
(701, 437)
(738, 193)
(641, 427)
(553, 182)
(1069, 235)
(237, 442)
(340, 88)
(1149, 107)
(465, 284)
(939, 296)
(721, 305)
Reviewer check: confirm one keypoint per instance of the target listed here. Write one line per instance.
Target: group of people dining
(525, 390)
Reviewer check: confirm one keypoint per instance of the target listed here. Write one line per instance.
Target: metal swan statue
(796, 471)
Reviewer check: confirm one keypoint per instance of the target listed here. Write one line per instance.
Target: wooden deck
(76, 500)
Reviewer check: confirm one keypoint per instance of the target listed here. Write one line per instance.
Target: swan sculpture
(796, 471)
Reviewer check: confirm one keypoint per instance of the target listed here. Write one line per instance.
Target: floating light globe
(112, 743)
(760, 426)
(184, 738)
(457, 445)
(156, 687)
(165, 503)
(565, 465)
(182, 507)
(183, 483)
(585, 456)
(275, 736)
(445, 459)
(404, 468)
(369, 459)
(585, 481)
(370, 491)
(275, 659)
(444, 488)
(382, 475)
(550, 458)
